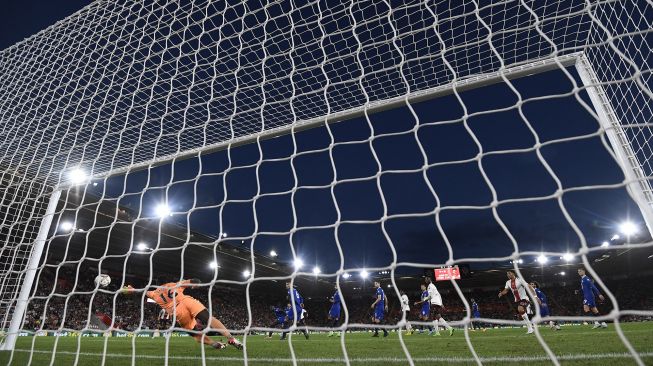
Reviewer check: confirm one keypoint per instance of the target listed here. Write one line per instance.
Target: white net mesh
(190, 139)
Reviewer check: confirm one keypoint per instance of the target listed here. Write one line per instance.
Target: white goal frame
(636, 181)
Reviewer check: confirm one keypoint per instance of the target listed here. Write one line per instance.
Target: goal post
(36, 252)
(639, 184)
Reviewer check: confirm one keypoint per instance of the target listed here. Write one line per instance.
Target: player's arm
(128, 290)
(503, 292)
(385, 302)
(378, 298)
(596, 291)
(191, 283)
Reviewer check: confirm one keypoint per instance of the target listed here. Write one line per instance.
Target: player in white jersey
(405, 308)
(437, 308)
(519, 289)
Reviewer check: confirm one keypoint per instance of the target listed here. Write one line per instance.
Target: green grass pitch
(573, 345)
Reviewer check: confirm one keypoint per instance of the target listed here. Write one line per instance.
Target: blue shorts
(544, 310)
(378, 312)
(334, 312)
(476, 315)
(425, 311)
(589, 302)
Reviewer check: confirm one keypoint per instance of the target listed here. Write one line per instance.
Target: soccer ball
(102, 280)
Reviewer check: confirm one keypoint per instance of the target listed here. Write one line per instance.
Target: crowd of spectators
(65, 300)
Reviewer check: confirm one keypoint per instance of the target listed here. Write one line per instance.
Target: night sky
(260, 197)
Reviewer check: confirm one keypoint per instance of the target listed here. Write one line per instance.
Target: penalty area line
(566, 357)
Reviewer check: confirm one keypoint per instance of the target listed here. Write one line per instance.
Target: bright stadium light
(364, 274)
(614, 237)
(214, 265)
(628, 228)
(66, 226)
(568, 257)
(142, 247)
(246, 273)
(316, 270)
(77, 176)
(224, 235)
(605, 244)
(273, 253)
(163, 210)
(542, 259)
(346, 275)
(562, 273)
(520, 261)
(299, 263)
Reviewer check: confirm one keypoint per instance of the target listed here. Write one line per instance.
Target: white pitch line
(567, 357)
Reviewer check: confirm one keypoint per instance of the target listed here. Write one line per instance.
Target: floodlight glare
(614, 237)
(142, 246)
(162, 210)
(316, 270)
(562, 273)
(246, 273)
(628, 228)
(214, 265)
(542, 259)
(605, 244)
(568, 257)
(298, 263)
(66, 226)
(273, 253)
(364, 274)
(77, 176)
(346, 275)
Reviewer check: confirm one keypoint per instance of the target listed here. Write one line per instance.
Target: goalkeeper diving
(190, 313)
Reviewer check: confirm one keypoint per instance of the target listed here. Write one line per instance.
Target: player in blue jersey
(544, 304)
(476, 314)
(379, 306)
(425, 309)
(297, 311)
(280, 316)
(334, 312)
(589, 303)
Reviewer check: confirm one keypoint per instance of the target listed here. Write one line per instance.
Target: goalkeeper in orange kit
(189, 312)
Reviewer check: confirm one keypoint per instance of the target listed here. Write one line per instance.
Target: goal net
(243, 144)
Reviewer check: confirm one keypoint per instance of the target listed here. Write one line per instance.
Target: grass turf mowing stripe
(567, 357)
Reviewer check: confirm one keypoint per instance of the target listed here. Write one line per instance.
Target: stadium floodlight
(142, 247)
(273, 253)
(615, 237)
(247, 273)
(542, 259)
(162, 210)
(316, 270)
(224, 235)
(568, 257)
(66, 226)
(346, 275)
(364, 274)
(214, 265)
(605, 244)
(628, 228)
(77, 176)
(299, 263)
(562, 273)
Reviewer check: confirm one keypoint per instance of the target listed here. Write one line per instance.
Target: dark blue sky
(473, 232)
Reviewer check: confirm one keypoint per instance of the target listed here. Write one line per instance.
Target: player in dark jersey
(379, 306)
(544, 304)
(334, 312)
(589, 302)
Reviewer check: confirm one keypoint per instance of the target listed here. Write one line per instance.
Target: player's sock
(528, 322)
(436, 326)
(444, 323)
